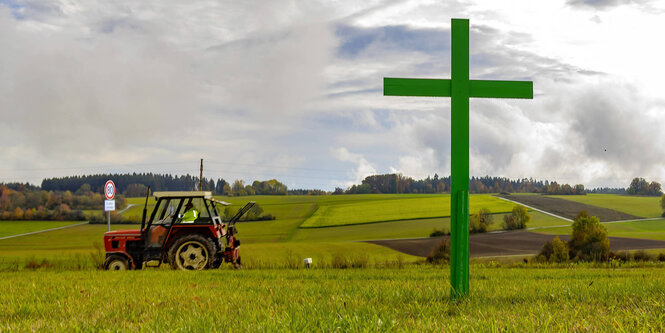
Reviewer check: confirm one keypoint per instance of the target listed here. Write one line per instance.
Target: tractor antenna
(201, 177)
(145, 207)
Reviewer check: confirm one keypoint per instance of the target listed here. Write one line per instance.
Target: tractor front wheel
(116, 263)
(192, 252)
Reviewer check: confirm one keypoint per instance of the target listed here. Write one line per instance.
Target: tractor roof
(183, 194)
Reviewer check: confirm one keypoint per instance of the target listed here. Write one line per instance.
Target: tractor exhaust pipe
(145, 208)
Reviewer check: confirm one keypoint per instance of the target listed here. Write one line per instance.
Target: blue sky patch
(355, 40)
(15, 8)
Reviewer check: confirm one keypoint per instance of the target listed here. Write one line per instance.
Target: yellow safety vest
(190, 216)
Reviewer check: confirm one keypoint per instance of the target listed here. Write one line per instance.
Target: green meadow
(412, 299)
(324, 226)
(647, 207)
(395, 208)
(651, 229)
(12, 228)
(50, 282)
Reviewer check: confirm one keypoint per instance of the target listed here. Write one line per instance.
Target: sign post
(109, 204)
(459, 88)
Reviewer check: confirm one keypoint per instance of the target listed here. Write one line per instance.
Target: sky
(293, 90)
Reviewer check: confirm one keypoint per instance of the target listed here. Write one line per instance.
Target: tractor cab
(177, 210)
(184, 230)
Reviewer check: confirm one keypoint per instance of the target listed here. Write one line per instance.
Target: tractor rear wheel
(116, 263)
(192, 252)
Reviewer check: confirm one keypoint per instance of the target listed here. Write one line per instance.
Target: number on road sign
(109, 190)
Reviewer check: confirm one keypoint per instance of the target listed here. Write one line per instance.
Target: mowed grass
(280, 206)
(383, 230)
(75, 240)
(540, 220)
(10, 228)
(397, 207)
(651, 229)
(285, 236)
(293, 215)
(414, 299)
(85, 240)
(648, 207)
(323, 254)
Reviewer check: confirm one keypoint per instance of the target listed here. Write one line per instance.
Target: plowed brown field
(507, 243)
(569, 209)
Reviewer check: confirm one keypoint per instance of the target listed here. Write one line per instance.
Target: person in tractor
(191, 214)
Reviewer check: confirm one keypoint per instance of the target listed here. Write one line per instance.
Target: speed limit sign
(109, 190)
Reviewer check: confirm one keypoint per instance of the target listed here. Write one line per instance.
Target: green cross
(459, 88)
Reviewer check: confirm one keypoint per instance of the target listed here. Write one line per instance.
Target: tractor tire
(116, 263)
(219, 259)
(192, 252)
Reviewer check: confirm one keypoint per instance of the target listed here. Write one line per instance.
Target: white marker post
(109, 204)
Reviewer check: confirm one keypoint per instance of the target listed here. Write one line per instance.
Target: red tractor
(184, 229)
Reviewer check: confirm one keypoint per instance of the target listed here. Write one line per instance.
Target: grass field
(362, 215)
(334, 210)
(390, 292)
(412, 299)
(651, 229)
(634, 205)
(10, 228)
(70, 241)
(395, 208)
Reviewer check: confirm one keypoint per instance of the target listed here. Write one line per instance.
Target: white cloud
(293, 89)
(363, 167)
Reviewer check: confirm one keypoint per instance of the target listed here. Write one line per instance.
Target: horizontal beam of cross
(441, 88)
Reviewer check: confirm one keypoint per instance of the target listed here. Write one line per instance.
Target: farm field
(78, 243)
(415, 298)
(284, 239)
(69, 241)
(569, 209)
(396, 208)
(332, 210)
(634, 205)
(650, 229)
(11, 228)
(391, 291)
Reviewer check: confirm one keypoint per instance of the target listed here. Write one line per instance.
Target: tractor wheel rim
(192, 256)
(117, 265)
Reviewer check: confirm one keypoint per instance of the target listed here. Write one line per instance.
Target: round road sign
(109, 190)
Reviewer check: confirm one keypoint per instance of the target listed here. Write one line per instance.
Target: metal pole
(108, 219)
(201, 177)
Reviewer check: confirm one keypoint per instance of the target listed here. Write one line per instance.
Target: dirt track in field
(569, 209)
(507, 243)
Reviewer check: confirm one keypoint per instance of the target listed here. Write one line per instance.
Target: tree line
(26, 202)
(397, 183)
(639, 186)
(136, 184)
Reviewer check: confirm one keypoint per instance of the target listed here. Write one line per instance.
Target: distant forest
(27, 202)
(66, 198)
(135, 184)
(397, 183)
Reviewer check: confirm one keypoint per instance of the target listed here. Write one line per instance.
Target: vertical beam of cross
(459, 166)
(459, 88)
